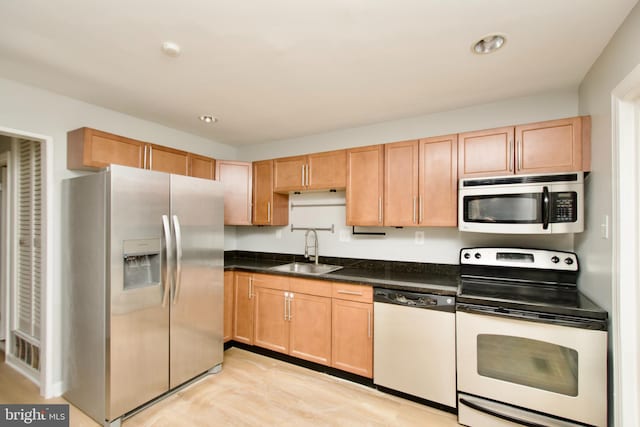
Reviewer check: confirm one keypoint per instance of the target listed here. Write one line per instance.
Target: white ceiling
(283, 68)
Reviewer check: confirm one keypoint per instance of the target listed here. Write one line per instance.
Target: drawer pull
(341, 291)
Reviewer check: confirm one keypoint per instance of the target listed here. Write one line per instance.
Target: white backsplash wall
(439, 245)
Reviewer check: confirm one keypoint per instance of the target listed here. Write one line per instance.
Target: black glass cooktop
(538, 297)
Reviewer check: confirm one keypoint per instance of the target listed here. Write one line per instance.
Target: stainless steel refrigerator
(143, 262)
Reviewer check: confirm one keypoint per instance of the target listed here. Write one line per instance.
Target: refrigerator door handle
(178, 234)
(166, 228)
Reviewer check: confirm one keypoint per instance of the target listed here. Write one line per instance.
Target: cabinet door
(552, 146)
(201, 166)
(271, 323)
(91, 149)
(438, 181)
(289, 174)
(401, 184)
(269, 208)
(485, 153)
(352, 342)
(310, 328)
(228, 305)
(327, 170)
(168, 160)
(243, 308)
(365, 185)
(236, 177)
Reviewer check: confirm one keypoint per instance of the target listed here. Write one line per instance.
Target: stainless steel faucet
(307, 245)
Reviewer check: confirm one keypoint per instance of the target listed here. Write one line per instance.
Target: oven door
(558, 370)
(522, 209)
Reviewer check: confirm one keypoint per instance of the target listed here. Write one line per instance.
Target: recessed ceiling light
(208, 119)
(171, 49)
(489, 44)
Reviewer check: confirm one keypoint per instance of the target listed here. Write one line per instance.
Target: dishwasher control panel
(414, 299)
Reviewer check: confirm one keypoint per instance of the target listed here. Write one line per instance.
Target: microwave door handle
(545, 208)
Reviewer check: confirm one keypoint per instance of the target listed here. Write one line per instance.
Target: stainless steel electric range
(531, 349)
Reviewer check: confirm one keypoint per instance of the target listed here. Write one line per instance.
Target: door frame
(46, 378)
(625, 120)
(5, 220)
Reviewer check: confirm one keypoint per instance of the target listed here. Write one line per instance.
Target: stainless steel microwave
(522, 204)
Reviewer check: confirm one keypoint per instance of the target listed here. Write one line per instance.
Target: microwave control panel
(564, 207)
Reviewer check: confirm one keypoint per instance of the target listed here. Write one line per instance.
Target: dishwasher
(415, 344)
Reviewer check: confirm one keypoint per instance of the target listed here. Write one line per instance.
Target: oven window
(528, 362)
(504, 208)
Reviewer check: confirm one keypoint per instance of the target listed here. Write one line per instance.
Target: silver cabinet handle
(151, 157)
(519, 153)
(166, 228)
(420, 210)
(307, 175)
(250, 288)
(414, 209)
(380, 210)
(510, 158)
(369, 323)
(144, 160)
(286, 301)
(269, 212)
(342, 291)
(178, 234)
(290, 299)
(302, 176)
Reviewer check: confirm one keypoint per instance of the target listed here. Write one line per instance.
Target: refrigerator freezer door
(138, 324)
(197, 297)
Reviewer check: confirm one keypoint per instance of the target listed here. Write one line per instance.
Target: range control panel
(523, 258)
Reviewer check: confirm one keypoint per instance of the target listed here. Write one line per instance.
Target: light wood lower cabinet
(228, 306)
(352, 329)
(243, 307)
(323, 322)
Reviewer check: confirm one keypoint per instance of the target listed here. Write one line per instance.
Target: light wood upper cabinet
(485, 153)
(319, 171)
(554, 146)
(228, 306)
(352, 329)
(269, 208)
(544, 147)
(420, 183)
(164, 159)
(438, 181)
(401, 184)
(201, 166)
(365, 185)
(237, 180)
(91, 149)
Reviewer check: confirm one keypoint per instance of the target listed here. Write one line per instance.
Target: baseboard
(57, 389)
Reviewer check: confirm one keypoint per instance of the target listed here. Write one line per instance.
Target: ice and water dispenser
(141, 263)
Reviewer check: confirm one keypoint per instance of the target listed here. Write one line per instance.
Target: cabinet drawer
(271, 281)
(321, 288)
(349, 292)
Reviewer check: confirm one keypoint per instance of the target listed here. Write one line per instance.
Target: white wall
(441, 245)
(621, 55)
(37, 111)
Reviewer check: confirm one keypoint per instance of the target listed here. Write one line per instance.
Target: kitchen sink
(306, 268)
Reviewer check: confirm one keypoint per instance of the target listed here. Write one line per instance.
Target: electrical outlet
(419, 238)
(345, 236)
(278, 234)
(604, 227)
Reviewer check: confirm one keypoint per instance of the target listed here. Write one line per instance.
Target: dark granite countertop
(441, 279)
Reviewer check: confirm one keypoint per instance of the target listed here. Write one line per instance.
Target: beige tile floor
(254, 390)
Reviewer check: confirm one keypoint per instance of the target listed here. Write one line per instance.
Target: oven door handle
(499, 414)
(545, 208)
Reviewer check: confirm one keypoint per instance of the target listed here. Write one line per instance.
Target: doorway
(626, 248)
(25, 253)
